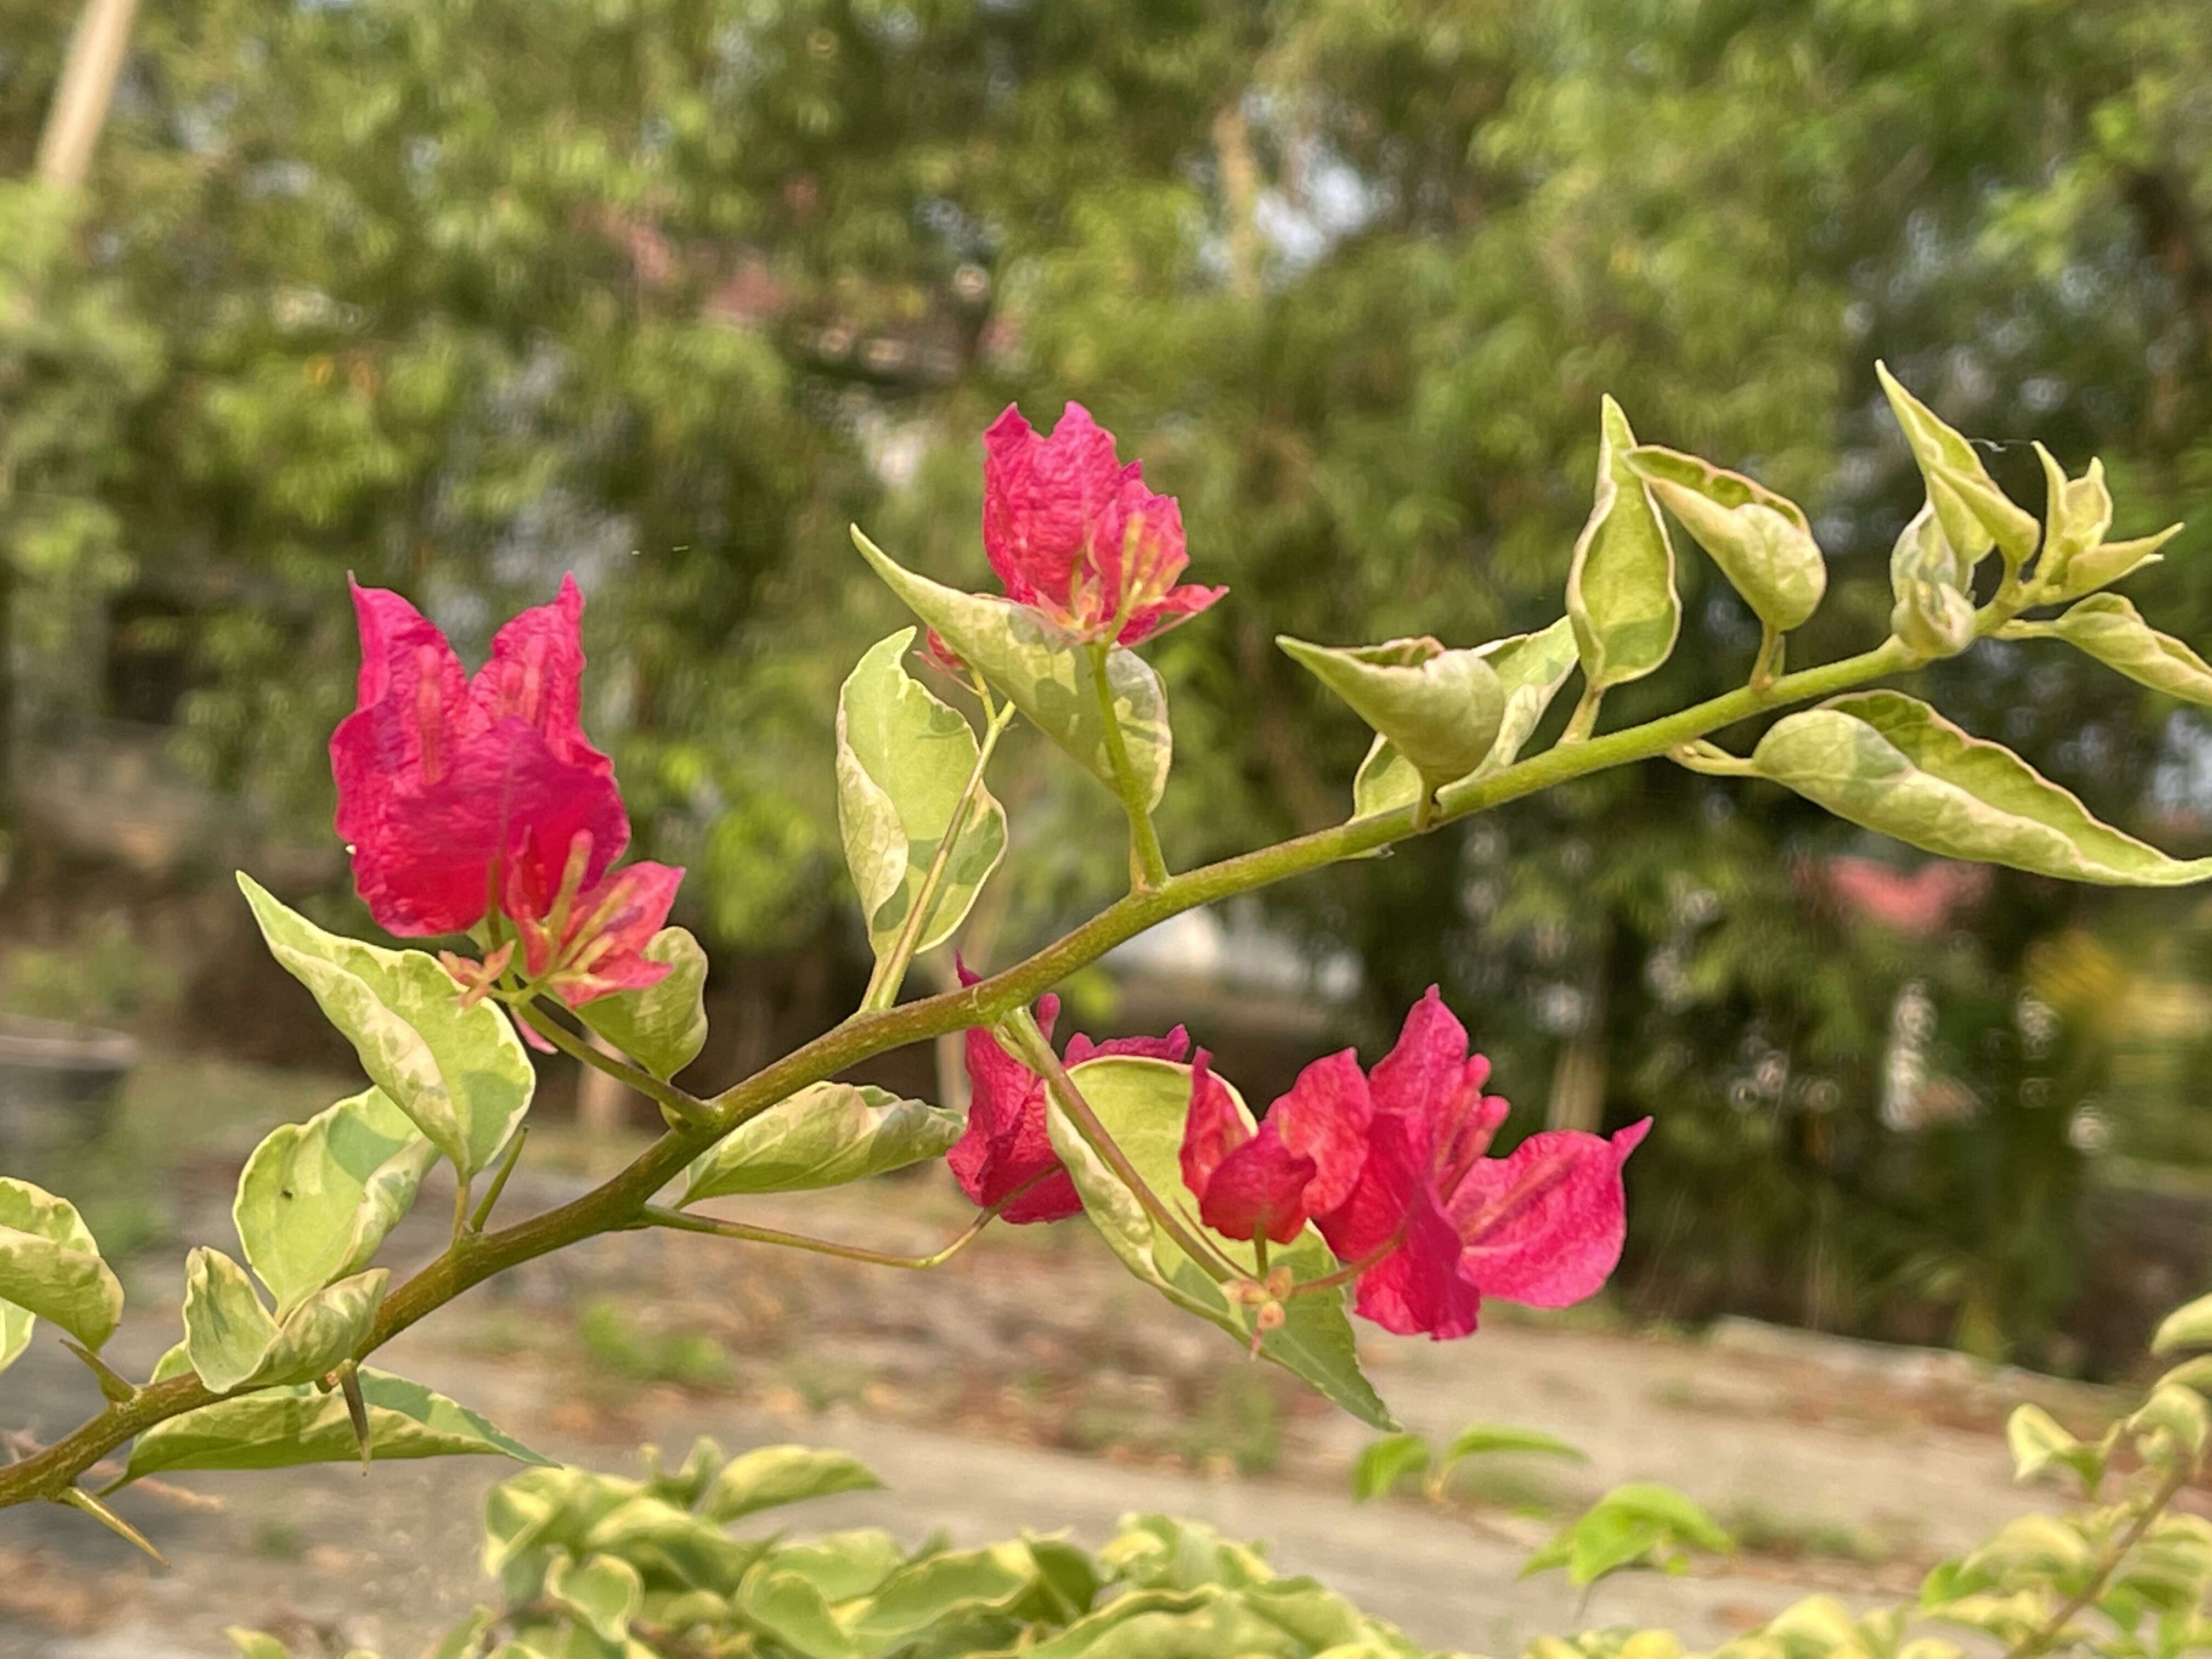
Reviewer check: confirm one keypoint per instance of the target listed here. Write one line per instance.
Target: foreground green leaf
(2189, 1325)
(1974, 513)
(1620, 587)
(51, 1268)
(770, 1476)
(1048, 678)
(825, 1135)
(1383, 1464)
(1530, 669)
(904, 759)
(1762, 542)
(1143, 1103)
(460, 1074)
(279, 1428)
(317, 1199)
(2108, 627)
(232, 1340)
(1888, 762)
(604, 1591)
(1438, 709)
(663, 1026)
(1931, 589)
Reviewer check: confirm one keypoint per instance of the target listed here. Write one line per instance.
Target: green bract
(1934, 613)
(2099, 567)
(1620, 587)
(2111, 629)
(277, 1428)
(1440, 709)
(232, 1342)
(1889, 762)
(904, 762)
(1762, 542)
(1974, 513)
(459, 1073)
(2077, 514)
(663, 1026)
(1530, 670)
(1046, 676)
(50, 1269)
(316, 1199)
(825, 1135)
(1143, 1103)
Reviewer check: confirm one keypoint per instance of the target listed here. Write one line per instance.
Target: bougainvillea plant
(477, 811)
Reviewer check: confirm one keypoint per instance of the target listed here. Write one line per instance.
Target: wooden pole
(86, 91)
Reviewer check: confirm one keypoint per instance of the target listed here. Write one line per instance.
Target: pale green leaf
(1382, 1464)
(1931, 584)
(1143, 1103)
(227, 1332)
(2179, 1416)
(603, 1591)
(2108, 627)
(1620, 587)
(904, 759)
(663, 1026)
(2077, 514)
(1890, 763)
(657, 1535)
(278, 1428)
(772, 1475)
(1762, 542)
(51, 1268)
(841, 1565)
(1974, 512)
(255, 1644)
(2189, 1325)
(232, 1340)
(316, 1199)
(2037, 1441)
(1438, 709)
(461, 1074)
(1479, 1438)
(796, 1615)
(2107, 563)
(938, 1588)
(1530, 669)
(825, 1135)
(1045, 676)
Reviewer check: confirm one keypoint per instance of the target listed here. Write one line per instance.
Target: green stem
(2053, 1629)
(1148, 865)
(890, 971)
(1034, 1051)
(619, 1201)
(1583, 720)
(483, 1212)
(688, 1109)
(1710, 759)
(682, 1221)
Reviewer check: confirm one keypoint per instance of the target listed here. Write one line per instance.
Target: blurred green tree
(453, 295)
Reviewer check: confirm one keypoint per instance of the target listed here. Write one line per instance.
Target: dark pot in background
(59, 1084)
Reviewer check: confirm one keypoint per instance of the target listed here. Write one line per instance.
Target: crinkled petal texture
(1072, 531)
(1008, 1143)
(1441, 1225)
(440, 778)
(1247, 1184)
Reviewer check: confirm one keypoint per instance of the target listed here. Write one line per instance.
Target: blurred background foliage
(453, 295)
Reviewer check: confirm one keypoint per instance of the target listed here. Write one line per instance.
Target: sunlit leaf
(1620, 587)
(1888, 762)
(2108, 627)
(825, 1135)
(1762, 542)
(51, 1268)
(773, 1475)
(1974, 513)
(1438, 709)
(663, 1026)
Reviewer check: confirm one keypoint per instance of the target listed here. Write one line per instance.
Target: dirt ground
(1027, 1383)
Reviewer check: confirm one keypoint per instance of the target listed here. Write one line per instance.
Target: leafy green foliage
(1045, 676)
(1621, 593)
(1142, 1102)
(51, 1268)
(459, 1073)
(1439, 709)
(904, 759)
(825, 1135)
(316, 1199)
(1638, 1524)
(278, 1428)
(1891, 762)
(232, 1342)
(663, 1026)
